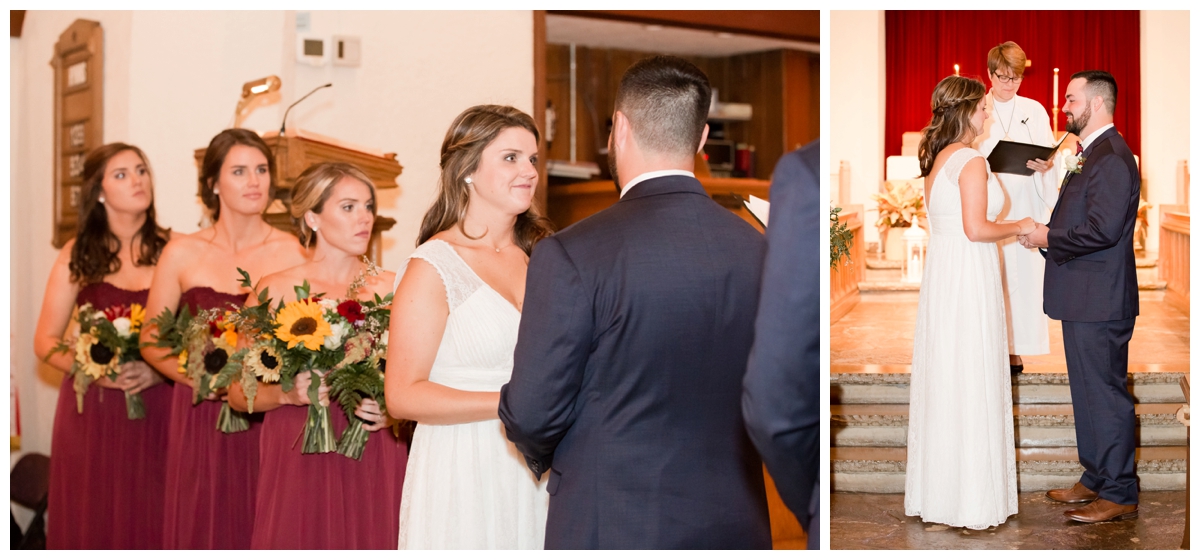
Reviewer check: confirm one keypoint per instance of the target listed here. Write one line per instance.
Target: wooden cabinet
(782, 86)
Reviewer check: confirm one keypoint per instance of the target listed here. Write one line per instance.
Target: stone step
(881, 469)
(1037, 425)
(876, 384)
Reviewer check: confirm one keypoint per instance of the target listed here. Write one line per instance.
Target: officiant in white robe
(1020, 119)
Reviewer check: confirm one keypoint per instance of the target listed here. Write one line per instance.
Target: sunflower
(137, 315)
(183, 359)
(95, 358)
(303, 322)
(264, 363)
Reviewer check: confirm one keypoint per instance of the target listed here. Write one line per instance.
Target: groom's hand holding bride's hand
(1025, 226)
(1036, 238)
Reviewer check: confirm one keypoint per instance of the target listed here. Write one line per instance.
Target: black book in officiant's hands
(1011, 157)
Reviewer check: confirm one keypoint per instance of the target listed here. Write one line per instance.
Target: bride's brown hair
(954, 101)
(468, 135)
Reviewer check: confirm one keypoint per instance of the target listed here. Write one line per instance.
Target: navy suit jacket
(1090, 267)
(782, 398)
(626, 383)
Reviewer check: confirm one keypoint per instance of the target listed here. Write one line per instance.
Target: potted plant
(899, 206)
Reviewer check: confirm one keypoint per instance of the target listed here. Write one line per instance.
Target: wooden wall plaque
(78, 117)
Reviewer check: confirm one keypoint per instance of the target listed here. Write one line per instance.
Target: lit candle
(955, 69)
(1056, 88)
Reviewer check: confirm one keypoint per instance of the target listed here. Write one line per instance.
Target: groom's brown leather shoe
(1078, 494)
(1102, 510)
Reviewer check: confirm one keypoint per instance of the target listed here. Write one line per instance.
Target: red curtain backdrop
(923, 47)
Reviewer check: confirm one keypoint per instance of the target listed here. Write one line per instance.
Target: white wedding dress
(467, 486)
(962, 468)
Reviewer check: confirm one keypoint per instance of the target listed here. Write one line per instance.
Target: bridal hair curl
(313, 189)
(214, 158)
(471, 132)
(954, 101)
(97, 250)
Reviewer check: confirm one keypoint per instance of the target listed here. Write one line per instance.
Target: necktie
(1078, 148)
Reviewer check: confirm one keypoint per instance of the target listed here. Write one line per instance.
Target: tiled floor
(877, 521)
(879, 330)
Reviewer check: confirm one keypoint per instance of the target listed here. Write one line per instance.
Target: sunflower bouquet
(339, 337)
(360, 374)
(206, 346)
(107, 339)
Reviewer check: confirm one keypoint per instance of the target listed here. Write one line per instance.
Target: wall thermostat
(346, 50)
(312, 50)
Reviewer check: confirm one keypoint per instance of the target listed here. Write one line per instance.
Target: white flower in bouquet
(385, 338)
(328, 304)
(123, 325)
(340, 330)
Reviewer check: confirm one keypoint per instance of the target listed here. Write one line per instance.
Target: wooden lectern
(298, 150)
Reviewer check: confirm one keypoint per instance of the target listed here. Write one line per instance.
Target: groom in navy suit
(627, 377)
(1091, 286)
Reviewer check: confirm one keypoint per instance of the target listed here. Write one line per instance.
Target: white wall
(172, 80)
(1166, 107)
(856, 104)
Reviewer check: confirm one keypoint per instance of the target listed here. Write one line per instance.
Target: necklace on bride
(1011, 113)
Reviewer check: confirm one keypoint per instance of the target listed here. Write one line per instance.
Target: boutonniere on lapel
(1074, 162)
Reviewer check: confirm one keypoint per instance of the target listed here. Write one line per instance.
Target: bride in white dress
(454, 326)
(961, 467)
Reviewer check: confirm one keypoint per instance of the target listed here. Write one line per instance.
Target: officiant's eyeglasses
(1008, 79)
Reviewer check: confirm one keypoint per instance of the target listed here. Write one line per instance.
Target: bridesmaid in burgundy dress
(106, 472)
(211, 476)
(327, 500)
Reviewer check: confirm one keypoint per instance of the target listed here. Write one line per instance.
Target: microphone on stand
(283, 125)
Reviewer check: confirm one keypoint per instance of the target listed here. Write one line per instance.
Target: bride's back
(943, 199)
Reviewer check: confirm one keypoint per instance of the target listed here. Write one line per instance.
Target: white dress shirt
(654, 175)
(1092, 137)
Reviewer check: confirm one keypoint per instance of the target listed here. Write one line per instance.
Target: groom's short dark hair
(1100, 83)
(666, 100)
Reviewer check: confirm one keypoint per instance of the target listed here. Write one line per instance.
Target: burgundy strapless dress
(326, 500)
(107, 471)
(211, 476)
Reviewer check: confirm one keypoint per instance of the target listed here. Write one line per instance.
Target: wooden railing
(843, 282)
(1174, 254)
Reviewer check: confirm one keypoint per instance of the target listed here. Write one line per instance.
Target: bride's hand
(373, 418)
(1026, 225)
(299, 394)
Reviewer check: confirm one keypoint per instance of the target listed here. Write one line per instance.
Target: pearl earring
(468, 180)
(101, 199)
(216, 190)
(314, 228)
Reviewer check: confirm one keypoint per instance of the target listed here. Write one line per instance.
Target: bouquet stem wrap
(318, 433)
(354, 439)
(230, 421)
(135, 407)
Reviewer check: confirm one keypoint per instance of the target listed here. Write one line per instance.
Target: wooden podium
(300, 149)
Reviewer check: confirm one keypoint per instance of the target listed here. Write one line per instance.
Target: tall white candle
(955, 69)
(1056, 87)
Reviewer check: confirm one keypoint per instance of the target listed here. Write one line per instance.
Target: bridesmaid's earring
(216, 191)
(468, 180)
(101, 199)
